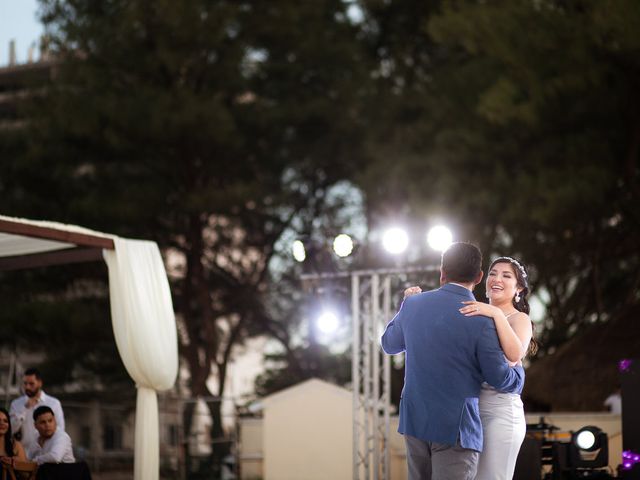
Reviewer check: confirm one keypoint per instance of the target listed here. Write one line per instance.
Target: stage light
(298, 250)
(395, 240)
(585, 440)
(327, 322)
(343, 245)
(439, 238)
(624, 366)
(630, 459)
(589, 448)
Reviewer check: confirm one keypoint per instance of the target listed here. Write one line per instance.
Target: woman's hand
(473, 308)
(510, 342)
(412, 291)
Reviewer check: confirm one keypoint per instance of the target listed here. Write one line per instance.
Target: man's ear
(443, 277)
(478, 278)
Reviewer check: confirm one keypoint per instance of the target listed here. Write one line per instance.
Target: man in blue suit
(448, 356)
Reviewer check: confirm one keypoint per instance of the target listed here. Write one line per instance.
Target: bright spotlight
(343, 245)
(588, 450)
(585, 440)
(439, 238)
(327, 322)
(298, 251)
(395, 240)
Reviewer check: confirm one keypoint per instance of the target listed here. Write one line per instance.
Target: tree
(63, 312)
(207, 126)
(66, 305)
(531, 139)
(304, 351)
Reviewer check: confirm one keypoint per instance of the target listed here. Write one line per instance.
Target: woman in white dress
(502, 414)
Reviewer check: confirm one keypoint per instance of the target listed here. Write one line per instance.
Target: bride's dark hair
(522, 305)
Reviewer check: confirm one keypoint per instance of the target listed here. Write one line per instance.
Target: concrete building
(17, 83)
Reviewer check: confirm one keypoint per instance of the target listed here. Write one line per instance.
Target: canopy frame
(84, 246)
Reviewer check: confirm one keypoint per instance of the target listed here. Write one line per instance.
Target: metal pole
(370, 272)
(12, 367)
(375, 356)
(355, 371)
(386, 366)
(366, 342)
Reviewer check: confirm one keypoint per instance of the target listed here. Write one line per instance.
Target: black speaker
(529, 462)
(560, 463)
(630, 382)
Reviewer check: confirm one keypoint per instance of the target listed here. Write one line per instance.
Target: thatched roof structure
(581, 374)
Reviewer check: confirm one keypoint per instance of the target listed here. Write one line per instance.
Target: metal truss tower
(371, 309)
(371, 375)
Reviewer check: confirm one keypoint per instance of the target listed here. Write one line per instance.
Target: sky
(18, 22)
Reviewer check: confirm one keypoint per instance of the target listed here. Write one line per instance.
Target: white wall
(312, 426)
(307, 433)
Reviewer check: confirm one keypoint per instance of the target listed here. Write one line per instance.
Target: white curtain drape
(145, 331)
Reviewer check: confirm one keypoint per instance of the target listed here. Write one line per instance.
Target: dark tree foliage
(316, 362)
(207, 126)
(522, 120)
(62, 312)
(212, 127)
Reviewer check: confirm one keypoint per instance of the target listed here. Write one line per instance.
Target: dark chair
(64, 471)
(19, 470)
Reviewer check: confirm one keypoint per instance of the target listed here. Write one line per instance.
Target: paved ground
(112, 476)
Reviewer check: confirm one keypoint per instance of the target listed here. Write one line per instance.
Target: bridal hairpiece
(517, 264)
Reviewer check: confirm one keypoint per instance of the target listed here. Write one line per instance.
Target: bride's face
(502, 283)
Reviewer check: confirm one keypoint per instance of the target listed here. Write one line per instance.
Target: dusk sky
(18, 22)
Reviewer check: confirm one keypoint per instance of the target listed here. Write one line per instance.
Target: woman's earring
(517, 297)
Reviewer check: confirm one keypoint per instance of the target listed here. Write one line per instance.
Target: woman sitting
(10, 449)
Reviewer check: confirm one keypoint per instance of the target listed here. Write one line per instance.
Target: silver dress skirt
(504, 427)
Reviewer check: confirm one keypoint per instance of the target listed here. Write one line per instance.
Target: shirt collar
(43, 397)
(458, 289)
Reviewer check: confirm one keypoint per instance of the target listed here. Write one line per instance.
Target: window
(85, 436)
(172, 435)
(112, 437)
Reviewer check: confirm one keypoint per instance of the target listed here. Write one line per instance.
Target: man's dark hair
(461, 262)
(41, 411)
(33, 371)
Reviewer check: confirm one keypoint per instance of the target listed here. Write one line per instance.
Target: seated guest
(21, 410)
(10, 449)
(53, 444)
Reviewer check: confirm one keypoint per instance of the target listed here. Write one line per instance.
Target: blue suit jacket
(448, 356)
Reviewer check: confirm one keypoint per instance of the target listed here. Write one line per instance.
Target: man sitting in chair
(53, 444)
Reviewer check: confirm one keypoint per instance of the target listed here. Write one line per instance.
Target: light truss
(371, 309)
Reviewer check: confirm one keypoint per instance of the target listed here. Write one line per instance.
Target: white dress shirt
(614, 402)
(56, 449)
(22, 417)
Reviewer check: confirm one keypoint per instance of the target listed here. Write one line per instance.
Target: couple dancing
(460, 408)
